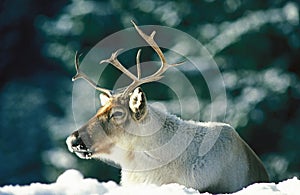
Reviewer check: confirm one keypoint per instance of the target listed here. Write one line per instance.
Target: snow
(72, 182)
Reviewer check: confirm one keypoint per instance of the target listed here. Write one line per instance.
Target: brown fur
(104, 109)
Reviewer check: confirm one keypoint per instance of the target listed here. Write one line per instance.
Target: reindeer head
(120, 110)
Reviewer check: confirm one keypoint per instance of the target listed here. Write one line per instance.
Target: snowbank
(72, 182)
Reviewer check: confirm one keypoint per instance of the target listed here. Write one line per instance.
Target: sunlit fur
(196, 160)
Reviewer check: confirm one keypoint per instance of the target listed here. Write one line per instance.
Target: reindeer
(161, 157)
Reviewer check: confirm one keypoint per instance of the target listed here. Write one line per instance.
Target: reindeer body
(228, 166)
(155, 147)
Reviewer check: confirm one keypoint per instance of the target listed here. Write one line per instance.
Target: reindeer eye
(118, 114)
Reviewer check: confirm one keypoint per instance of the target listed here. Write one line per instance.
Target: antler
(137, 81)
(80, 74)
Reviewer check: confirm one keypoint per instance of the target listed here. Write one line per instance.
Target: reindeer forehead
(109, 104)
(104, 109)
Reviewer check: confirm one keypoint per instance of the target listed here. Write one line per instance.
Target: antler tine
(151, 42)
(138, 64)
(158, 74)
(80, 74)
(116, 63)
(137, 80)
(155, 47)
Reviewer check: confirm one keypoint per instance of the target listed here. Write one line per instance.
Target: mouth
(82, 153)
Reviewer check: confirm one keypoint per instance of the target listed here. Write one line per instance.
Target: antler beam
(116, 63)
(158, 74)
(80, 74)
(137, 81)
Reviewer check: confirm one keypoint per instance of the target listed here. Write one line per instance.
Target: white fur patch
(116, 155)
(135, 100)
(103, 99)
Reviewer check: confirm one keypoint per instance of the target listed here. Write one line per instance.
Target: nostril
(76, 134)
(77, 141)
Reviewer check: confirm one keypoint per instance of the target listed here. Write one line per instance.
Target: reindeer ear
(137, 103)
(103, 99)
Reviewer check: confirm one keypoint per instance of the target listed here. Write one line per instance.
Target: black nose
(75, 143)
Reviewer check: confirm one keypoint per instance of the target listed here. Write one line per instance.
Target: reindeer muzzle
(79, 145)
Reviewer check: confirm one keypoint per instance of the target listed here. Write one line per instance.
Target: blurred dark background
(256, 45)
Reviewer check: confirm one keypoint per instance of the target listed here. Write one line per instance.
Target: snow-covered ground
(72, 182)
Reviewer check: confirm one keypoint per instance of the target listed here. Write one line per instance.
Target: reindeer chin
(84, 154)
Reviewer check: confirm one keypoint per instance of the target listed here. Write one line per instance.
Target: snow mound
(72, 182)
